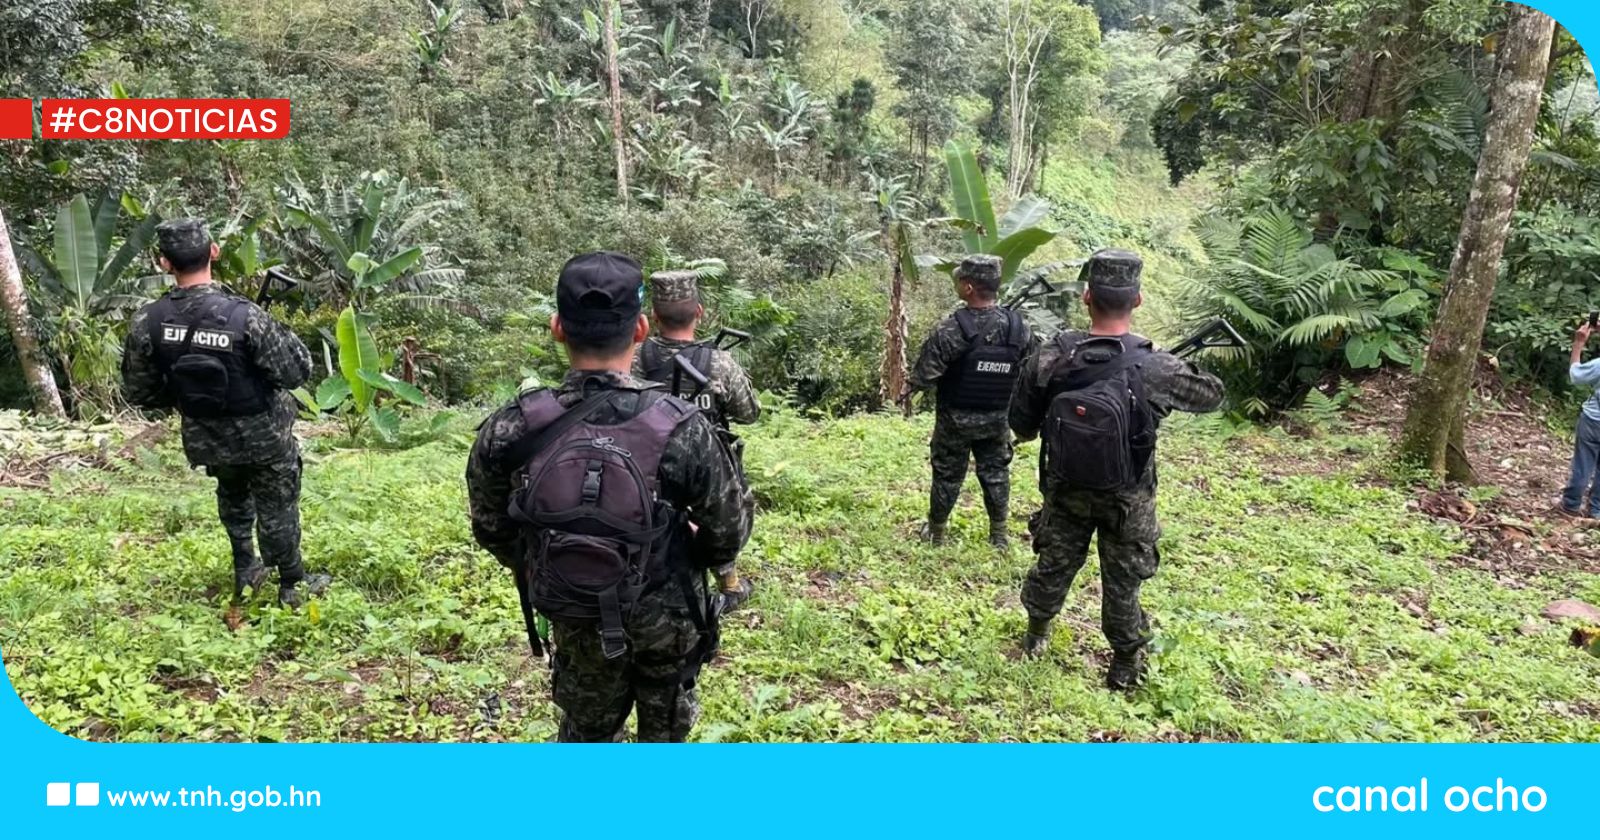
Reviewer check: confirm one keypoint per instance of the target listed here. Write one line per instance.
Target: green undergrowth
(1298, 599)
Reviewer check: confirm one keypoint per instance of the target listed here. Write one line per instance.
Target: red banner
(16, 119)
(165, 119)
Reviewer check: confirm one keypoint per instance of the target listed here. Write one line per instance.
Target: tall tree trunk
(894, 351)
(617, 141)
(1436, 416)
(14, 300)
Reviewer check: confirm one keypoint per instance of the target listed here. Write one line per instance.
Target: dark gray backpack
(1099, 431)
(596, 533)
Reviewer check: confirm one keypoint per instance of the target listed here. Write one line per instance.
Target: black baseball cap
(600, 288)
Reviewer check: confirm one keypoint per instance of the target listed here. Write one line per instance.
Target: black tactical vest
(983, 379)
(204, 357)
(657, 366)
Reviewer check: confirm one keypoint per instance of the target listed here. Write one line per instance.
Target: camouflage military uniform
(594, 693)
(254, 458)
(732, 396)
(1124, 522)
(960, 434)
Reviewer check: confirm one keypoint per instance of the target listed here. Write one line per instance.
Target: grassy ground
(1299, 600)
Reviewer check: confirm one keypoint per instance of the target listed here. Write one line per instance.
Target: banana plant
(82, 272)
(351, 244)
(1013, 237)
(86, 286)
(358, 394)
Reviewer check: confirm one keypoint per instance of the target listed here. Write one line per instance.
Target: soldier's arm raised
(278, 353)
(698, 476)
(1172, 384)
(489, 487)
(142, 383)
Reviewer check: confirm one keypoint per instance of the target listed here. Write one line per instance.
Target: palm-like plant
(349, 244)
(1295, 301)
(87, 286)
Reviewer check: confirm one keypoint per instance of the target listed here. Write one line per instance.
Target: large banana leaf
(1018, 247)
(325, 229)
(105, 222)
(357, 353)
(77, 256)
(397, 265)
(971, 194)
(1028, 211)
(371, 208)
(138, 240)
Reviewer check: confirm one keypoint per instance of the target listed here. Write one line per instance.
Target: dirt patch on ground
(1515, 531)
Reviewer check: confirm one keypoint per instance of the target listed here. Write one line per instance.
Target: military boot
(249, 577)
(732, 592)
(1127, 670)
(1037, 639)
(999, 538)
(294, 593)
(933, 532)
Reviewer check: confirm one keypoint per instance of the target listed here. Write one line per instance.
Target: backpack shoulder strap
(969, 326)
(650, 357)
(1013, 328)
(545, 420)
(1090, 374)
(701, 356)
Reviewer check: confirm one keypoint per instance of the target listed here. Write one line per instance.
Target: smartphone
(1594, 318)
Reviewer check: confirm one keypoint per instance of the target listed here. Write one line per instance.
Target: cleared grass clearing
(1299, 599)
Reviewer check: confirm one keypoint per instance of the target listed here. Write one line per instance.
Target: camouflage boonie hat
(673, 286)
(981, 270)
(176, 235)
(1109, 268)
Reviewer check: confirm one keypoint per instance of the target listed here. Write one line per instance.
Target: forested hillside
(1301, 169)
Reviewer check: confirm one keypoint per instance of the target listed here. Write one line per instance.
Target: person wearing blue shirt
(1586, 455)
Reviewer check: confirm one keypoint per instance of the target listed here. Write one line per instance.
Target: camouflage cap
(673, 286)
(1109, 268)
(182, 235)
(981, 270)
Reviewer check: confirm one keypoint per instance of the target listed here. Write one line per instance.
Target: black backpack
(984, 379)
(1099, 431)
(203, 357)
(656, 364)
(596, 534)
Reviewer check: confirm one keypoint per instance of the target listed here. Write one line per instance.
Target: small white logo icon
(88, 793)
(57, 794)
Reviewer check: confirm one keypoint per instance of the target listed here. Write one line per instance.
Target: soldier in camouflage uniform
(599, 320)
(976, 430)
(675, 303)
(248, 445)
(1124, 522)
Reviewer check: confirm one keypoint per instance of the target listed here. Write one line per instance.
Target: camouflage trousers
(657, 675)
(262, 500)
(950, 449)
(1126, 528)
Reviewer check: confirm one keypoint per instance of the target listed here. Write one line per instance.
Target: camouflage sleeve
(277, 352)
(698, 475)
(944, 346)
(142, 383)
(739, 403)
(1027, 400)
(489, 486)
(1172, 384)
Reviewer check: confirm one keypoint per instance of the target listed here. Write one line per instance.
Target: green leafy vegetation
(1299, 599)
